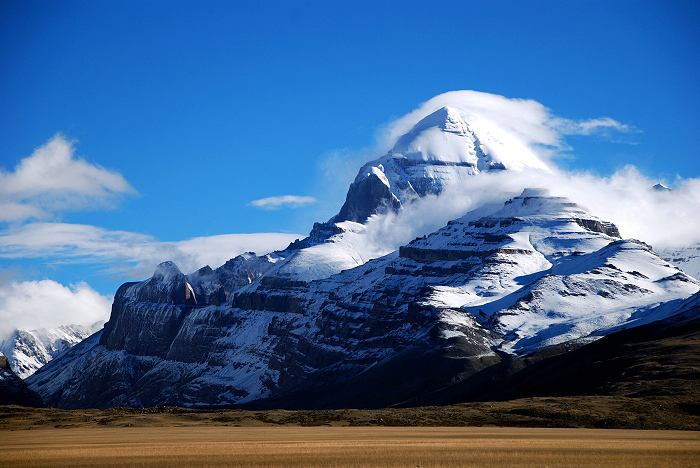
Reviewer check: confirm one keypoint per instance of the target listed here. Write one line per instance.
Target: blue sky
(203, 107)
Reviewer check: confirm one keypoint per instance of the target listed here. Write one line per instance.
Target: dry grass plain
(332, 446)
(549, 432)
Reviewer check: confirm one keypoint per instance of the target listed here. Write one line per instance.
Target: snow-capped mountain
(329, 317)
(540, 271)
(442, 150)
(28, 350)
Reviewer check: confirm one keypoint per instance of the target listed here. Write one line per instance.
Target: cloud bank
(52, 179)
(48, 304)
(127, 253)
(665, 219)
(289, 201)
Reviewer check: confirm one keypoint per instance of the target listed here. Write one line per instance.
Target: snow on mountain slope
(546, 272)
(619, 283)
(538, 272)
(345, 249)
(28, 350)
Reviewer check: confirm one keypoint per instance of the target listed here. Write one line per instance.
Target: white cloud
(291, 201)
(52, 179)
(128, 253)
(48, 304)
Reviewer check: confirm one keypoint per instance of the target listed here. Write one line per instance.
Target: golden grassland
(331, 446)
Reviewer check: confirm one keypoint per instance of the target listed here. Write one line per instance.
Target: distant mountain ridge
(29, 350)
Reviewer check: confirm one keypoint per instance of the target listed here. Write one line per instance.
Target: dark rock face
(598, 226)
(216, 287)
(319, 233)
(13, 391)
(144, 328)
(366, 197)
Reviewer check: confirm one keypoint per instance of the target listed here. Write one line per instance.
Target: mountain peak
(444, 148)
(445, 118)
(443, 135)
(661, 187)
(167, 270)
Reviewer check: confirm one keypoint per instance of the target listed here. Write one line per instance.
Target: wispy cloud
(52, 179)
(283, 201)
(592, 126)
(127, 253)
(48, 304)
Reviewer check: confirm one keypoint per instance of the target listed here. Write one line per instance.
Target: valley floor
(551, 432)
(347, 446)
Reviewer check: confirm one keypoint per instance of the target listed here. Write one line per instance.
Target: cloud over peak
(53, 179)
(532, 123)
(49, 304)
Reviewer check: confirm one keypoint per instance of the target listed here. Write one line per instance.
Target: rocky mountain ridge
(539, 272)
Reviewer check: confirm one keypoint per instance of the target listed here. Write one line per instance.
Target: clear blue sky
(204, 106)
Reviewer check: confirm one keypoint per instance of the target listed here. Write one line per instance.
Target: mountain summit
(444, 148)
